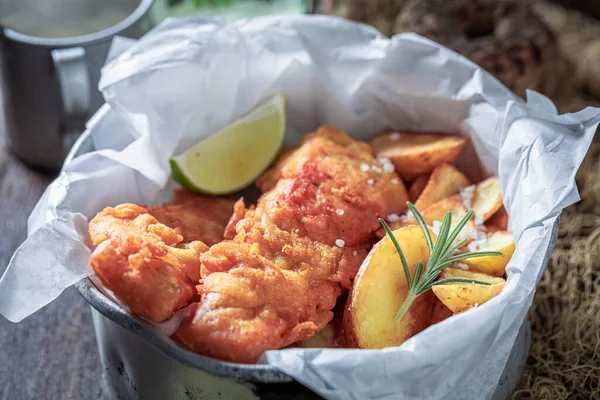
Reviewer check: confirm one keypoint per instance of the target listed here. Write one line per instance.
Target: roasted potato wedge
(459, 297)
(501, 241)
(434, 215)
(414, 153)
(445, 180)
(487, 199)
(498, 221)
(440, 312)
(379, 291)
(416, 188)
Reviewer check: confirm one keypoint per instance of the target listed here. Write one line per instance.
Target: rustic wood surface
(51, 355)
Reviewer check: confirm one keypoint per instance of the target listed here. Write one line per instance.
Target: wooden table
(51, 355)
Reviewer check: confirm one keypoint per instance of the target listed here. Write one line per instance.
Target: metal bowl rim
(247, 372)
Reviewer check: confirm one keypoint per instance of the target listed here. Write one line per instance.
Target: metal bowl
(140, 364)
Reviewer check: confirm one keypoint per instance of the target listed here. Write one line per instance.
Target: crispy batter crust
(278, 279)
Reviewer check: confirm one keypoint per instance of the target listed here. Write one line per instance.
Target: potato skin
(379, 291)
(417, 319)
(440, 312)
(500, 241)
(416, 153)
(487, 199)
(417, 187)
(498, 221)
(461, 297)
(445, 181)
(349, 333)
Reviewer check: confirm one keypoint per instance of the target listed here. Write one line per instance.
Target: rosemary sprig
(441, 256)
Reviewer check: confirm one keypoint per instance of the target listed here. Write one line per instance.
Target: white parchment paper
(190, 77)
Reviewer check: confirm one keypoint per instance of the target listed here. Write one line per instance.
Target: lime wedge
(234, 157)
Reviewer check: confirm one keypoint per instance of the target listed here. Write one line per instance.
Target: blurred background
(52, 51)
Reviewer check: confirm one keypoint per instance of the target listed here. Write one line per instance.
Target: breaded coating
(150, 257)
(277, 281)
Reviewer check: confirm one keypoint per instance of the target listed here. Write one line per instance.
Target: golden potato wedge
(416, 153)
(379, 291)
(445, 180)
(498, 221)
(459, 297)
(501, 241)
(417, 187)
(440, 312)
(487, 199)
(434, 215)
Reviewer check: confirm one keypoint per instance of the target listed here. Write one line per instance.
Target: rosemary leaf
(464, 256)
(459, 227)
(459, 280)
(441, 239)
(418, 271)
(422, 224)
(398, 249)
(441, 255)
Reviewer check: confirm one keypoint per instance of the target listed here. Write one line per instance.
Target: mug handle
(74, 81)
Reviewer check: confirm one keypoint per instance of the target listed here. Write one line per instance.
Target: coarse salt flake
(437, 225)
(371, 181)
(478, 219)
(339, 211)
(394, 181)
(383, 159)
(466, 195)
(462, 266)
(409, 214)
(375, 168)
(364, 167)
(395, 136)
(388, 167)
(475, 244)
(463, 234)
(393, 217)
(339, 243)
(478, 234)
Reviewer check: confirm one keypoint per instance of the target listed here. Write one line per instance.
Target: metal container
(140, 364)
(51, 55)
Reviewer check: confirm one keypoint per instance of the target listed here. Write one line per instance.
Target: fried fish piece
(150, 257)
(278, 279)
(196, 217)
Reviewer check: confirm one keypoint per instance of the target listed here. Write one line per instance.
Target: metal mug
(51, 54)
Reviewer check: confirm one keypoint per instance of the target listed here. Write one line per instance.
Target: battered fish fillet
(278, 279)
(150, 257)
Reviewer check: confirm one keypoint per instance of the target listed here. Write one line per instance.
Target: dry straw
(564, 361)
